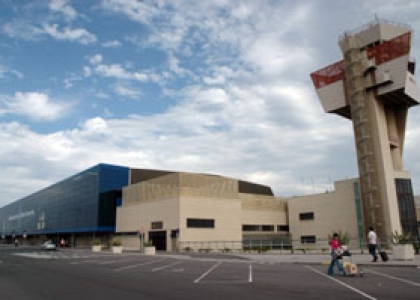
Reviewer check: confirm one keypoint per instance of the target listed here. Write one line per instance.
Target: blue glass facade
(85, 202)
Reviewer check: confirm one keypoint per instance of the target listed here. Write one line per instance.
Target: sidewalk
(359, 259)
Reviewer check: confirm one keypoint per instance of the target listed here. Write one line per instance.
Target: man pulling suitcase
(374, 246)
(373, 243)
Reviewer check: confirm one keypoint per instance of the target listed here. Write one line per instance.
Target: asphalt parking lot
(81, 274)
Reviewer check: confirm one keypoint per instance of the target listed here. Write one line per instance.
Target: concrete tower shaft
(374, 86)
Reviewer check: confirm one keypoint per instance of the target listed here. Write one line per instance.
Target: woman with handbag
(336, 250)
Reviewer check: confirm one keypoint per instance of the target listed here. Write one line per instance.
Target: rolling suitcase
(384, 256)
(350, 268)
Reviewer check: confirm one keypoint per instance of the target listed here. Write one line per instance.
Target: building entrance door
(159, 239)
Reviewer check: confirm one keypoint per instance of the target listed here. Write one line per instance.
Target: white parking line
(166, 266)
(394, 278)
(34, 255)
(137, 265)
(108, 262)
(250, 274)
(342, 283)
(208, 272)
(114, 261)
(90, 261)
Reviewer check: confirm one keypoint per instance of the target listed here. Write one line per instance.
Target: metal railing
(279, 246)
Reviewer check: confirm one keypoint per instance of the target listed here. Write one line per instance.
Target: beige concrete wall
(332, 96)
(155, 200)
(263, 210)
(134, 217)
(377, 31)
(130, 242)
(208, 186)
(174, 198)
(157, 189)
(384, 171)
(397, 68)
(333, 211)
(209, 197)
(140, 216)
(226, 214)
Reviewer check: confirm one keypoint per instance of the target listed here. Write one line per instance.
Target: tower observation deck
(373, 86)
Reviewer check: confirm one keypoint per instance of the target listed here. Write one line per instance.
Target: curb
(362, 264)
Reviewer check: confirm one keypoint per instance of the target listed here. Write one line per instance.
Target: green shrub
(149, 243)
(96, 242)
(116, 242)
(205, 250)
(401, 238)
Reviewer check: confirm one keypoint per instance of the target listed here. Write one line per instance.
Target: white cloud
(126, 91)
(87, 71)
(71, 79)
(95, 59)
(79, 35)
(63, 7)
(174, 65)
(135, 10)
(117, 71)
(95, 125)
(34, 105)
(22, 30)
(112, 44)
(6, 72)
(220, 75)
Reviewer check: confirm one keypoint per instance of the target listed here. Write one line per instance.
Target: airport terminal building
(181, 211)
(74, 209)
(175, 210)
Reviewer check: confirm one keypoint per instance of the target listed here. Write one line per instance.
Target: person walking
(336, 248)
(373, 244)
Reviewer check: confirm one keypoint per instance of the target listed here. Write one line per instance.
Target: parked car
(48, 245)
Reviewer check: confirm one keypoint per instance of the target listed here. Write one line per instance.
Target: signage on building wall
(21, 215)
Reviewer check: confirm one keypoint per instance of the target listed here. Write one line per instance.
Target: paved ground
(360, 259)
(80, 274)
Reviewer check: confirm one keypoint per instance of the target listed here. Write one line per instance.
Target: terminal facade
(73, 209)
(180, 211)
(175, 210)
(185, 211)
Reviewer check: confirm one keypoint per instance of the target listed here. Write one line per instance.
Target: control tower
(374, 86)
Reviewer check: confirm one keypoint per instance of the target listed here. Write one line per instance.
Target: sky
(219, 87)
